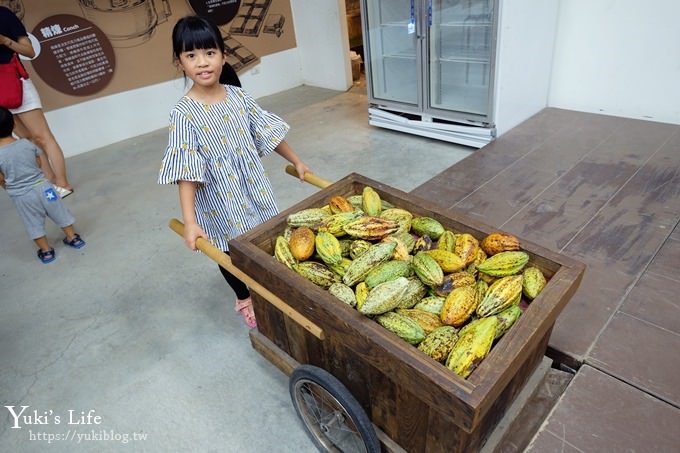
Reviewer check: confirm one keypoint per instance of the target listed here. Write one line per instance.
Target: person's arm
(22, 45)
(2, 180)
(187, 202)
(285, 151)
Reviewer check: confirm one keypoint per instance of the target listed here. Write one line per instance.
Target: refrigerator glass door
(460, 34)
(392, 40)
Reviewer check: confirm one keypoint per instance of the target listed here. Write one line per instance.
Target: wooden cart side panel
(412, 419)
(383, 396)
(270, 322)
(441, 437)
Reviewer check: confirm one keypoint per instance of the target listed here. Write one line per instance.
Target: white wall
(618, 57)
(320, 59)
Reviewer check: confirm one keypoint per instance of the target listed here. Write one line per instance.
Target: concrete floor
(138, 330)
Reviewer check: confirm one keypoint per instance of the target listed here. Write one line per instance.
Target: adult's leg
(34, 124)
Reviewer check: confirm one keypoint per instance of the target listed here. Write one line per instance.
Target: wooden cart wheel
(334, 419)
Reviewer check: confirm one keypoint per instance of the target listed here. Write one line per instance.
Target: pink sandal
(245, 308)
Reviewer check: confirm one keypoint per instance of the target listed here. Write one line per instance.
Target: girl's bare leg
(33, 126)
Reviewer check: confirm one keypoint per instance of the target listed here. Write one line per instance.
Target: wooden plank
(556, 215)
(412, 418)
(272, 353)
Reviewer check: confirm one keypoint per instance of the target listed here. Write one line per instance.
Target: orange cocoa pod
(302, 243)
(499, 242)
(339, 204)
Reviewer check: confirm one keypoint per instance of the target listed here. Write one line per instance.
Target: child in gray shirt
(33, 195)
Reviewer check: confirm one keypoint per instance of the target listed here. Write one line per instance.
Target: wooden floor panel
(602, 189)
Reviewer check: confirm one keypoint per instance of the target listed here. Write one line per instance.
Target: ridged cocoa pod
(345, 246)
(448, 261)
(447, 241)
(533, 282)
(481, 287)
(317, 273)
(472, 346)
(344, 293)
(500, 295)
(466, 247)
(499, 242)
(386, 271)
(310, 218)
(414, 293)
(486, 278)
(439, 342)
(427, 226)
(452, 281)
(504, 263)
(357, 247)
(370, 202)
(370, 228)
(433, 304)
(427, 269)
(288, 232)
(506, 319)
(302, 243)
(328, 248)
(282, 252)
(459, 306)
(384, 297)
(362, 265)
(340, 268)
(403, 326)
(334, 223)
(426, 320)
(339, 204)
(401, 216)
(361, 292)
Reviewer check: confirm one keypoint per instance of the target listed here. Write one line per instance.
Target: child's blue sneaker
(76, 242)
(46, 256)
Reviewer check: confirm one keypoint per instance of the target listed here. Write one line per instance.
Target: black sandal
(47, 256)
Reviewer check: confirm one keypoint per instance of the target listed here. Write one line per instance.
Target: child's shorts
(40, 202)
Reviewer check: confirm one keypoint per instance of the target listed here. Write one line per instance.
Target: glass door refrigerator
(432, 66)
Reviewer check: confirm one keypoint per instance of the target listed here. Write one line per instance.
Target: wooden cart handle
(309, 177)
(224, 261)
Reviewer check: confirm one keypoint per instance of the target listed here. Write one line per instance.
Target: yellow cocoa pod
(459, 306)
(472, 346)
(400, 252)
(533, 282)
(370, 202)
(426, 320)
(328, 248)
(447, 241)
(401, 216)
(370, 228)
(466, 247)
(361, 292)
(302, 243)
(283, 254)
(503, 264)
(452, 281)
(502, 293)
(448, 261)
(438, 343)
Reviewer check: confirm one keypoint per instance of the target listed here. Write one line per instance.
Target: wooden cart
(345, 369)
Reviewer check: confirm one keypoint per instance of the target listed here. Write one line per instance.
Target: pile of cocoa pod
(448, 293)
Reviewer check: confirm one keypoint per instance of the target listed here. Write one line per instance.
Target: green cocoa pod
(362, 265)
(389, 270)
(357, 247)
(403, 326)
(433, 304)
(472, 346)
(504, 263)
(427, 269)
(415, 291)
(447, 241)
(384, 297)
(427, 226)
(533, 282)
(317, 273)
(506, 319)
(343, 292)
(310, 218)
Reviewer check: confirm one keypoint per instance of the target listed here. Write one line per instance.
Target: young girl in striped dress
(218, 135)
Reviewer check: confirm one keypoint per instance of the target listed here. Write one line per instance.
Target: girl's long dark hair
(196, 32)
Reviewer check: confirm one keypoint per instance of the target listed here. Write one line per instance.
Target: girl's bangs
(199, 39)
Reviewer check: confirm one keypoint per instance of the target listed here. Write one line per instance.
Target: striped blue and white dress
(221, 146)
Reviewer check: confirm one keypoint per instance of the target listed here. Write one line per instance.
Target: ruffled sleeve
(267, 129)
(182, 160)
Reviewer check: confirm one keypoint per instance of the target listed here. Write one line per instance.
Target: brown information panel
(76, 56)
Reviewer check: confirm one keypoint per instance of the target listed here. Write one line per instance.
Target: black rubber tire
(333, 418)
